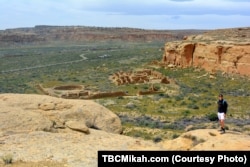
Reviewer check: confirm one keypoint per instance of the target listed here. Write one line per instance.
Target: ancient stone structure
(119, 78)
(77, 92)
(139, 76)
(226, 50)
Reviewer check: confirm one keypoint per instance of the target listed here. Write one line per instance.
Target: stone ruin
(119, 78)
(139, 76)
(77, 92)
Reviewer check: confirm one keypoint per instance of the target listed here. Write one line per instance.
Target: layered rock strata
(224, 50)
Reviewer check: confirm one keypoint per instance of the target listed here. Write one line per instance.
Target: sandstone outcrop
(225, 50)
(32, 132)
(46, 113)
(77, 126)
(208, 139)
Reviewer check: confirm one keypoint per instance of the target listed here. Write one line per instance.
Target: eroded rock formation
(225, 50)
(46, 113)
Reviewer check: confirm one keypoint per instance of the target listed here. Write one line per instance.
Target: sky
(145, 14)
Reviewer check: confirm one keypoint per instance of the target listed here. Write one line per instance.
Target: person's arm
(225, 107)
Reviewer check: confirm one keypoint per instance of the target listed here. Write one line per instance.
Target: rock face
(227, 50)
(39, 128)
(208, 139)
(45, 113)
(47, 34)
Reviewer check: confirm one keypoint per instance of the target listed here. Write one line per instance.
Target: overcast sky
(146, 14)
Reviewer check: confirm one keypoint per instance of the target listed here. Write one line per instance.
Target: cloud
(171, 7)
(159, 14)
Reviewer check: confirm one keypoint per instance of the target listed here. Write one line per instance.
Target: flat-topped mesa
(73, 34)
(212, 51)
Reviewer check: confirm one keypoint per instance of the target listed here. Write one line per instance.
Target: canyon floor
(40, 130)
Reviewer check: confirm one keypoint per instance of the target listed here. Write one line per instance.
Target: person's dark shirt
(222, 106)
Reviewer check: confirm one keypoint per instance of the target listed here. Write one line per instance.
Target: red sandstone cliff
(227, 50)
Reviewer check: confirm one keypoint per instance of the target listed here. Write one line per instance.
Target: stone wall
(139, 76)
(77, 92)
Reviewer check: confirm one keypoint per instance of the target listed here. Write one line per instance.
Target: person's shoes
(223, 131)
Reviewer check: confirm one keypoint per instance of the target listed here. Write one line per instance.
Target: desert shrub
(140, 134)
(160, 111)
(162, 107)
(174, 136)
(157, 87)
(130, 105)
(156, 98)
(60, 79)
(192, 99)
(206, 104)
(189, 136)
(179, 98)
(157, 139)
(193, 106)
(183, 103)
(135, 87)
(7, 159)
(146, 87)
(174, 126)
(120, 97)
(161, 94)
(143, 121)
(198, 126)
(213, 116)
(186, 113)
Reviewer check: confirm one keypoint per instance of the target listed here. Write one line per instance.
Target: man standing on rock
(222, 111)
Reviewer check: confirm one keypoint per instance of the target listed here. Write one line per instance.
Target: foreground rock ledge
(40, 112)
(26, 133)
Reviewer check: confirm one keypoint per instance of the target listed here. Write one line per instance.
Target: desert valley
(67, 92)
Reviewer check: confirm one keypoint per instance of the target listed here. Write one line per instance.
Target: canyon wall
(47, 34)
(226, 50)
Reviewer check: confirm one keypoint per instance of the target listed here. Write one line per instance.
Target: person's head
(220, 96)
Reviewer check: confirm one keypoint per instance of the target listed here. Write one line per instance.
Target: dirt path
(83, 58)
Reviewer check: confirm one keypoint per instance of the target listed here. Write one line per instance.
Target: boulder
(77, 126)
(95, 116)
(42, 112)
